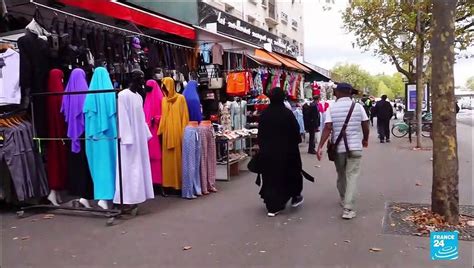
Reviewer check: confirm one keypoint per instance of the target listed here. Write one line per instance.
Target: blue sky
(327, 44)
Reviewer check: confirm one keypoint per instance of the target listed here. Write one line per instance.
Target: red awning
(123, 12)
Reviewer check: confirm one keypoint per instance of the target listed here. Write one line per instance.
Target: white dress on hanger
(134, 135)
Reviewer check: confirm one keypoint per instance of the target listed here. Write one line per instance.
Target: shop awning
(265, 58)
(286, 62)
(299, 65)
(120, 11)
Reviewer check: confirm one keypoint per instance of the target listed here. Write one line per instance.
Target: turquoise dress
(101, 130)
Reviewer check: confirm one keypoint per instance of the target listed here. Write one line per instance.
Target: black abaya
(280, 160)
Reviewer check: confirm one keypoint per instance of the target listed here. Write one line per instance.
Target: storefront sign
(232, 26)
(411, 98)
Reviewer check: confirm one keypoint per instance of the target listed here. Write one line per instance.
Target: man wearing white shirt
(349, 152)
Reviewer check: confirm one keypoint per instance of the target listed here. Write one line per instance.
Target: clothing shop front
(237, 74)
(90, 109)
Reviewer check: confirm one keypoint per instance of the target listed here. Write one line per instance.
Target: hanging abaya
(56, 150)
(280, 160)
(173, 121)
(134, 135)
(193, 102)
(101, 132)
(152, 107)
(79, 180)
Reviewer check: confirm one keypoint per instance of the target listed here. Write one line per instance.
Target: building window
(294, 24)
(284, 17)
(272, 9)
(229, 8)
(251, 19)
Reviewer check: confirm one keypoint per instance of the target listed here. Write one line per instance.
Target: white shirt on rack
(10, 92)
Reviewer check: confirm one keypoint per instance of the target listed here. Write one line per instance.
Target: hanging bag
(203, 76)
(216, 82)
(332, 147)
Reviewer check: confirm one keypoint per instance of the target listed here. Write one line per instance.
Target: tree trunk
(444, 195)
(419, 79)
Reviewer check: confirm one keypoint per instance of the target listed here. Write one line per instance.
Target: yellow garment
(174, 119)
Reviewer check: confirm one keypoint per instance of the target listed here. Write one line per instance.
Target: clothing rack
(111, 214)
(107, 25)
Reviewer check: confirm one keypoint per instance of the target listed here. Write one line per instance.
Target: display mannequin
(153, 112)
(137, 182)
(175, 116)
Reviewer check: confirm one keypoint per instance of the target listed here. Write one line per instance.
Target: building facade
(283, 19)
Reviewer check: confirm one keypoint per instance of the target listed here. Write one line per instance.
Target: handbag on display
(203, 76)
(215, 82)
(332, 147)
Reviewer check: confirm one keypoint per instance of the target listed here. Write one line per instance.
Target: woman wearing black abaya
(279, 158)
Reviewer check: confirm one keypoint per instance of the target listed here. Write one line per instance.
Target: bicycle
(401, 129)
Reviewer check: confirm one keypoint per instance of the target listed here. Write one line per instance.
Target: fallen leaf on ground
(418, 184)
(263, 251)
(15, 238)
(392, 224)
(347, 241)
(335, 244)
(375, 249)
(124, 232)
(317, 166)
(470, 223)
(187, 247)
(163, 234)
(48, 216)
(73, 256)
(13, 227)
(25, 238)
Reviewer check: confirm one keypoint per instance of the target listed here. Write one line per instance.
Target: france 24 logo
(444, 245)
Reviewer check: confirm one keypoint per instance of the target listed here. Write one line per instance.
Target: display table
(230, 163)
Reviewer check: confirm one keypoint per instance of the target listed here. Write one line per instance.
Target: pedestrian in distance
(311, 118)
(279, 156)
(384, 112)
(347, 125)
(372, 113)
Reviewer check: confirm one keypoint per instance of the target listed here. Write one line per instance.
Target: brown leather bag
(332, 147)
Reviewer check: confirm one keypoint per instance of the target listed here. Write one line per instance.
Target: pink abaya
(152, 109)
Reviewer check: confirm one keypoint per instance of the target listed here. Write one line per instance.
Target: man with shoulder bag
(348, 126)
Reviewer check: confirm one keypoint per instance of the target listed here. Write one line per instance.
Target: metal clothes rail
(111, 214)
(108, 25)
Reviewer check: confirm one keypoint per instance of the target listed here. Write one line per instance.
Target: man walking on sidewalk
(384, 112)
(348, 125)
(311, 118)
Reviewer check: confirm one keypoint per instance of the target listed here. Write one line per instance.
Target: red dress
(56, 151)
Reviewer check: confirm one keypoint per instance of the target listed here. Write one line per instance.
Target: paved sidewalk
(231, 229)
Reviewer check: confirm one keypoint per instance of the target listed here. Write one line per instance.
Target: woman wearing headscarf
(279, 158)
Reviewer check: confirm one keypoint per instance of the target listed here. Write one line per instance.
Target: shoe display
(348, 214)
(297, 201)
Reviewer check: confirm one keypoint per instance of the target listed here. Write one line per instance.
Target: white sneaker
(269, 214)
(348, 214)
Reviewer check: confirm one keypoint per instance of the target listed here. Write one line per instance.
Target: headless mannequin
(54, 198)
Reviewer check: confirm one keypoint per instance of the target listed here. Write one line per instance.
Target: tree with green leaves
(388, 28)
(354, 75)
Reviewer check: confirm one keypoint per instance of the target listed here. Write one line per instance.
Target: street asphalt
(231, 229)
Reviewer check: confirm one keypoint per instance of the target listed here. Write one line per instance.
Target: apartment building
(283, 19)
